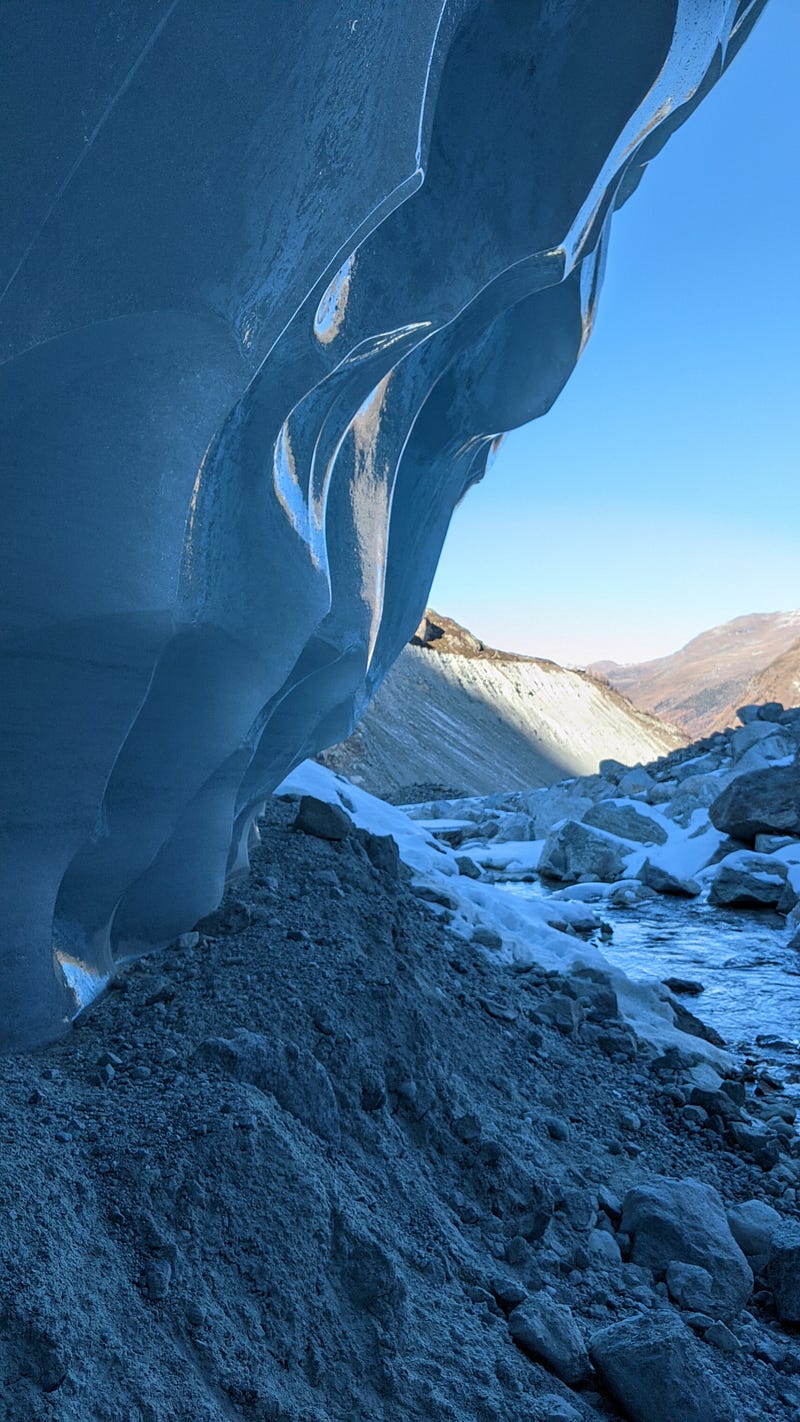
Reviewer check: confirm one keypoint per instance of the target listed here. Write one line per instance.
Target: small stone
(487, 937)
(604, 1246)
(690, 1286)
(752, 1225)
(195, 1315)
(557, 1128)
(468, 1129)
(694, 1115)
(629, 1121)
(685, 987)
(782, 1271)
(720, 1335)
(508, 1292)
(498, 1010)
(188, 940)
(467, 867)
(547, 1332)
(157, 1279)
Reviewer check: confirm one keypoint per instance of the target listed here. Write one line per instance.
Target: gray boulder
(666, 883)
(763, 802)
(636, 781)
(625, 821)
(557, 804)
(752, 1225)
(656, 1371)
(573, 852)
(745, 880)
(547, 1332)
(324, 821)
(782, 1271)
(695, 793)
(746, 736)
(683, 1221)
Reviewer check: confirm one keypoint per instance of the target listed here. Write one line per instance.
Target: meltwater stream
(751, 978)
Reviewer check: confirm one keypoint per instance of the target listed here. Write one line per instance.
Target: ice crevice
(275, 280)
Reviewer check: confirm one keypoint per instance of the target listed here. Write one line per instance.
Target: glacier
(274, 280)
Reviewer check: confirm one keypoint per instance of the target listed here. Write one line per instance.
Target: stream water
(751, 978)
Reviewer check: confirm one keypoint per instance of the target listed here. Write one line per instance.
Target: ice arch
(273, 279)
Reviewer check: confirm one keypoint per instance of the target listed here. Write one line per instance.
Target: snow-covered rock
(574, 851)
(744, 879)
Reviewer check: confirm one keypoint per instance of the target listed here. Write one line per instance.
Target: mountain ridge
(700, 686)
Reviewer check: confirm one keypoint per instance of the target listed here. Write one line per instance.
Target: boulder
(782, 1271)
(665, 882)
(746, 880)
(746, 736)
(695, 793)
(612, 770)
(636, 781)
(556, 805)
(683, 1221)
(625, 821)
(752, 1225)
(515, 827)
(547, 1332)
(324, 821)
(575, 851)
(763, 802)
(656, 1371)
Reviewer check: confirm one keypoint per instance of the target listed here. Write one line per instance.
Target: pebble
(557, 1128)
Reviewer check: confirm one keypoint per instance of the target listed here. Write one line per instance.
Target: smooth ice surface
(273, 279)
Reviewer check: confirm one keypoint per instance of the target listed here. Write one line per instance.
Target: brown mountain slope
(780, 681)
(699, 687)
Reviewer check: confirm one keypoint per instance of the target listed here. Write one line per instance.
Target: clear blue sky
(661, 494)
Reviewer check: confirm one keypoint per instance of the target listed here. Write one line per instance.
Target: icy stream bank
(750, 975)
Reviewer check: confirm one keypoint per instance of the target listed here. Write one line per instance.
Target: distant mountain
(456, 715)
(699, 687)
(780, 681)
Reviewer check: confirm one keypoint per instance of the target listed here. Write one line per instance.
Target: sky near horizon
(661, 494)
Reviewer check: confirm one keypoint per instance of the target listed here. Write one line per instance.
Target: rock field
(325, 1161)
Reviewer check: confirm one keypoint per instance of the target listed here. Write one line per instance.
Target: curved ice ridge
(274, 279)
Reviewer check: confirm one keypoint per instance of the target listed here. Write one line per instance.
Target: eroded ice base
(272, 283)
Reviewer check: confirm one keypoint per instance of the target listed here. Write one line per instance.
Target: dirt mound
(302, 1167)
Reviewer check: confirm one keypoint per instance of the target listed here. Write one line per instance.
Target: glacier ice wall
(273, 279)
